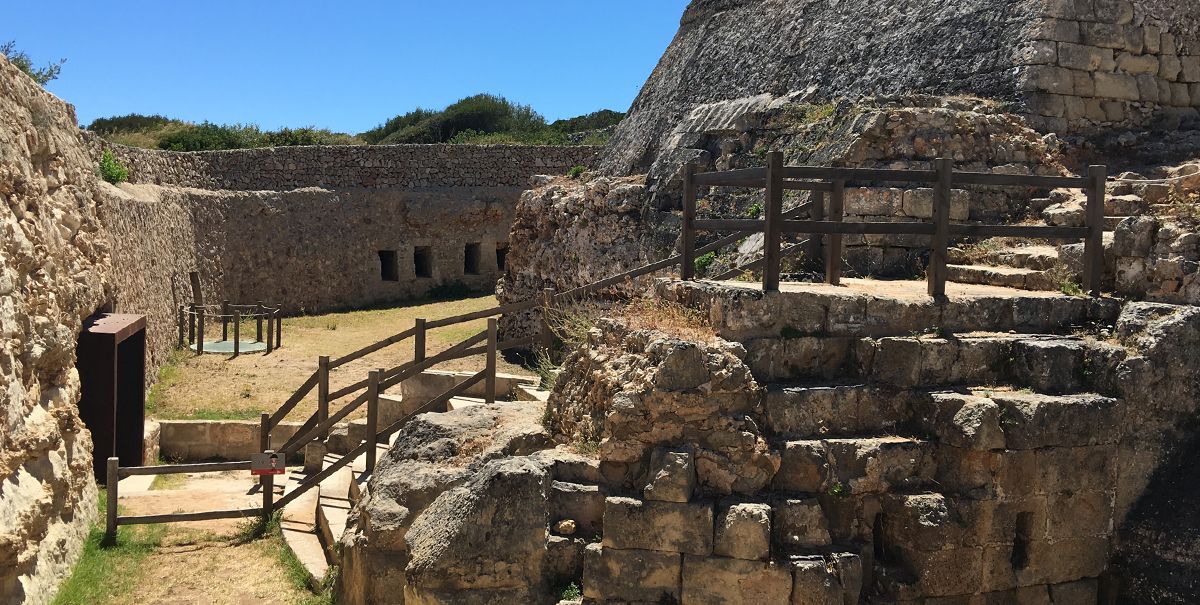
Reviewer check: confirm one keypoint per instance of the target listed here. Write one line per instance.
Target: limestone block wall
(1111, 63)
(348, 166)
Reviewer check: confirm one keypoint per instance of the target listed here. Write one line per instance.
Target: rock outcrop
(54, 262)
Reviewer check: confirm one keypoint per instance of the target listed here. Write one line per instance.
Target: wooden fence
(776, 178)
(194, 317)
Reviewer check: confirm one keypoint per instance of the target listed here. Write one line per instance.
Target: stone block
(581, 503)
(803, 468)
(800, 523)
(1036, 52)
(719, 581)
(1084, 85)
(636, 576)
(1057, 30)
(1138, 64)
(1086, 58)
(1081, 592)
(1181, 96)
(1033, 420)
(1080, 514)
(1170, 67)
(964, 421)
(1116, 86)
(672, 476)
(665, 526)
(744, 531)
(878, 464)
(564, 557)
(952, 571)
(1190, 68)
(1103, 35)
(814, 583)
(1048, 78)
(1148, 88)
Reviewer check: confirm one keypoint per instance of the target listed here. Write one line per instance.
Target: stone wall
(54, 266)
(1073, 65)
(348, 166)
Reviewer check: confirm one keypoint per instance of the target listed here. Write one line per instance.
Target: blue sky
(347, 66)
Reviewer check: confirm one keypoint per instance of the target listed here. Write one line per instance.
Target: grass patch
(268, 537)
(168, 374)
(172, 481)
(570, 592)
(109, 572)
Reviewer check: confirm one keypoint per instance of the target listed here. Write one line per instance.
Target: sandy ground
(216, 386)
(198, 563)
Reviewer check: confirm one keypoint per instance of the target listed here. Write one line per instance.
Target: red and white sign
(267, 464)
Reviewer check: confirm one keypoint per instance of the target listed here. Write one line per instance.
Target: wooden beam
(940, 244)
(833, 247)
(1093, 246)
(687, 265)
(774, 218)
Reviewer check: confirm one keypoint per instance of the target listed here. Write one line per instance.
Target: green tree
(23, 62)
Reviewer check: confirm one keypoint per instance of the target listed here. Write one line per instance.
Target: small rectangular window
(471, 259)
(389, 266)
(423, 261)
(501, 255)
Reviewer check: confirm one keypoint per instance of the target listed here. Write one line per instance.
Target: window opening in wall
(423, 261)
(501, 255)
(471, 259)
(389, 266)
(1024, 534)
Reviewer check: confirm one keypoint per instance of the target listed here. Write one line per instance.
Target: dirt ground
(217, 387)
(202, 563)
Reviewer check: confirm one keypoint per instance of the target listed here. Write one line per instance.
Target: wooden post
(419, 341)
(1093, 246)
(270, 334)
(372, 417)
(268, 493)
(224, 320)
(110, 483)
(182, 314)
(264, 432)
(833, 252)
(278, 328)
(323, 391)
(237, 332)
(774, 216)
(547, 334)
(199, 330)
(489, 378)
(258, 311)
(191, 323)
(816, 213)
(940, 243)
(687, 269)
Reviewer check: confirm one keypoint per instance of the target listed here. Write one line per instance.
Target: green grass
(168, 374)
(269, 537)
(108, 572)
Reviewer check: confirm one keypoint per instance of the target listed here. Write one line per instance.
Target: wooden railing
(193, 318)
(775, 178)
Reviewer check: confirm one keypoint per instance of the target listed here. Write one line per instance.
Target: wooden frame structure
(776, 178)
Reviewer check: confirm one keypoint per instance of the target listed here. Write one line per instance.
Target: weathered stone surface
(723, 581)
(743, 531)
(583, 505)
(799, 524)
(815, 584)
(666, 526)
(638, 576)
(672, 475)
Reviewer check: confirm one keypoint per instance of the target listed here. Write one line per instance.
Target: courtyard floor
(214, 386)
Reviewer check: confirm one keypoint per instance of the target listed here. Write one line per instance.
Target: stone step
(458, 403)
(1045, 363)
(299, 528)
(1000, 275)
(806, 411)
(1036, 257)
(333, 505)
(524, 392)
(863, 465)
(990, 418)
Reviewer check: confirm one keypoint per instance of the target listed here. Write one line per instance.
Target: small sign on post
(266, 464)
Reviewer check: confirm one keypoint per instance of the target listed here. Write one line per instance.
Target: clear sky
(347, 66)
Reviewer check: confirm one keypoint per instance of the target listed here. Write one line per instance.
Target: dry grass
(668, 317)
(217, 387)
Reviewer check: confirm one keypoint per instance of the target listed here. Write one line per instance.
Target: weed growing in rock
(570, 592)
(704, 261)
(21, 61)
(111, 170)
(576, 171)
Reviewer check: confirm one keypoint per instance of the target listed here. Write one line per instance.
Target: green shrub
(111, 170)
(597, 120)
(576, 171)
(208, 136)
(703, 262)
(134, 122)
(22, 62)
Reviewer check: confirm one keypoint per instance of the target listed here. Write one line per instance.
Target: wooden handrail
(296, 397)
(173, 469)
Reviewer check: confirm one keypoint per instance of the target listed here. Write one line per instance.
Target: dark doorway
(389, 266)
(501, 255)
(111, 360)
(423, 261)
(471, 259)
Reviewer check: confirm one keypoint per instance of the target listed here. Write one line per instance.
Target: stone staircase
(313, 524)
(1035, 265)
(916, 465)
